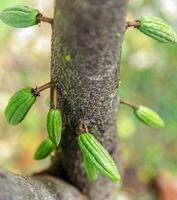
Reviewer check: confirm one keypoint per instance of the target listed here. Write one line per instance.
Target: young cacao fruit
(90, 168)
(54, 126)
(98, 155)
(44, 149)
(19, 105)
(19, 16)
(149, 117)
(158, 29)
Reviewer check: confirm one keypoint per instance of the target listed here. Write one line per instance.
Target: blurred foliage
(148, 76)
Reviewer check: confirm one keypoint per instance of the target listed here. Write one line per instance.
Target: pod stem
(41, 18)
(55, 97)
(128, 104)
(134, 24)
(83, 127)
(36, 91)
(58, 98)
(52, 93)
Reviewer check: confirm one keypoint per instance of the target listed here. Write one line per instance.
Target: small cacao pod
(19, 16)
(54, 126)
(19, 105)
(149, 117)
(90, 168)
(98, 155)
(158, 29)
(44, 149)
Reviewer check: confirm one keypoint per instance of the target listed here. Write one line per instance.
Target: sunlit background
(148, 77)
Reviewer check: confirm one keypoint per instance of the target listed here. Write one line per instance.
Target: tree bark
(91, 32)
(16, 187)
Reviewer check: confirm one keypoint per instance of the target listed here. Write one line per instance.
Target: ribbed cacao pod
(44, 149)
(19, 105)
(19, 16)
(149, 117)
(90, 168)
(54, 126)
(158, 29)
(98, 155)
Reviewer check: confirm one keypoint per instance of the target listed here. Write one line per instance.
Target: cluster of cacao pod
(96, 158)
(19, 106)
(54, 128)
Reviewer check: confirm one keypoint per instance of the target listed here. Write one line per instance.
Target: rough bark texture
(91, 31)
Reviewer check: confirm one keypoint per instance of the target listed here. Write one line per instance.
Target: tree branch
(16, 187)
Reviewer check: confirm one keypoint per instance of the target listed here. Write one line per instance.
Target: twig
(41, 18)
(58, 98)
(134, 24)
(128, 104)
(36, 91)
(52, 90)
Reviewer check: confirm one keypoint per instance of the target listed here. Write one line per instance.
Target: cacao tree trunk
(91, 32)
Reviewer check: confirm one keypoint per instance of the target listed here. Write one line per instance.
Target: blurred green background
(148, 76)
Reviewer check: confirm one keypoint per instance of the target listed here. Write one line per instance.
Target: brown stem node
(134, 24)
(36, 91)
(41, 18)
(83, 127)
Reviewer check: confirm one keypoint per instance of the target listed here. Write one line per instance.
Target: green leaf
(44, 149)
(20, 16)
(149, 117)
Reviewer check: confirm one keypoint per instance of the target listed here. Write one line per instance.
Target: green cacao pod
(158, 29)
(98, 155)
(44, 149)
(90, 168)
(149, 117)
(19, 16)
(19, 105)
(54, 126)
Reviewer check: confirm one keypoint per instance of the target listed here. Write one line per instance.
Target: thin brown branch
(52, 104)
(128, 104)
(41, 18)
(38, 90)
(134, 24)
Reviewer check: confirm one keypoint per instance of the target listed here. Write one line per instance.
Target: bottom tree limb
(40, 187)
